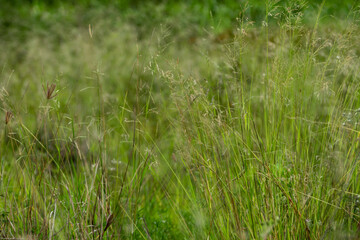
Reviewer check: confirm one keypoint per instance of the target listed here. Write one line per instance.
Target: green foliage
(159, 120)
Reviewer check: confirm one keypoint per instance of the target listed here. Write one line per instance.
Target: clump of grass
(258, 154)
(252, 136)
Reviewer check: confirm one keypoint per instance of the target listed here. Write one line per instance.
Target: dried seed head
(50, 91)
(8, 117)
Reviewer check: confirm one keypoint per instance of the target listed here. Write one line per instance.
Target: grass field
(179, 120)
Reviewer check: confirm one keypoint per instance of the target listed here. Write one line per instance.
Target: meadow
(179, 119)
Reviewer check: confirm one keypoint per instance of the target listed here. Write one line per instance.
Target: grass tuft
(180, 127)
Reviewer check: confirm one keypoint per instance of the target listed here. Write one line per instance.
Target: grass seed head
(50, 91)
(8, 117)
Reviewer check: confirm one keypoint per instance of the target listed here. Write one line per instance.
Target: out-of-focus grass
(128, 124)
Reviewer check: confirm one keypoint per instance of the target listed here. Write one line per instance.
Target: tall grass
(250, 133)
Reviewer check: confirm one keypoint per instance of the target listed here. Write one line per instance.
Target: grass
(180, 127)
